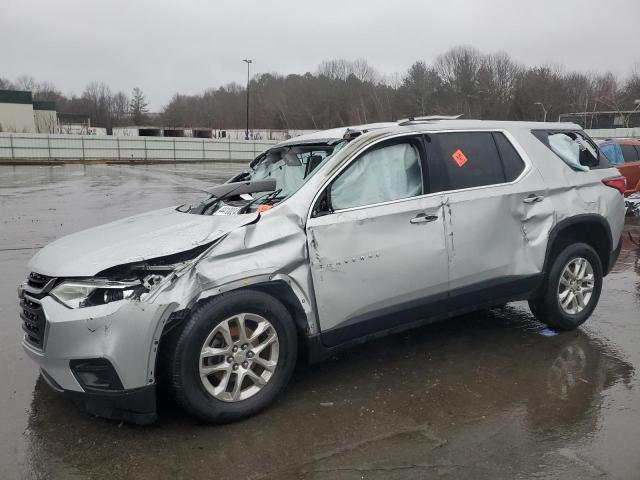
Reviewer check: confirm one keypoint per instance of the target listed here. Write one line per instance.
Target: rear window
(629, 153)
(513, 164)
(474, 159)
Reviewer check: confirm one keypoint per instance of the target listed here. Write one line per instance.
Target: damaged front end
(96, 339)
(95, 334)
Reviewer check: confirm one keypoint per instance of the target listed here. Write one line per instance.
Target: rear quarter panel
(575, 192)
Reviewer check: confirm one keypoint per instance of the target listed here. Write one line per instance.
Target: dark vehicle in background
(625, 155)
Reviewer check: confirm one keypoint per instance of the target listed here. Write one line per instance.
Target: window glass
(470, 159)
(291, 166)
(613, 154)
(380, 175)
(574, 149)
(629, 153)
(513, 164)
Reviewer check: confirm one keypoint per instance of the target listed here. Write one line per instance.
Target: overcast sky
(187, 46)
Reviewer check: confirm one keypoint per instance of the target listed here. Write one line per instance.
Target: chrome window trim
(523, 155)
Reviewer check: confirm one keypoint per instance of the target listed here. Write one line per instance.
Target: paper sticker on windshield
(459, 157)
(227, 210)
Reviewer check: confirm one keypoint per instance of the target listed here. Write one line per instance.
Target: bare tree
(25, 82)
(459, 70)
(346, 92)
(120, 109)
(97, 97)
(5, 84)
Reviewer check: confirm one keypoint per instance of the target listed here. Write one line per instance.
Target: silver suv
(326, 240)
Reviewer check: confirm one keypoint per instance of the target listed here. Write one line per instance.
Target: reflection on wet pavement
(485, 395)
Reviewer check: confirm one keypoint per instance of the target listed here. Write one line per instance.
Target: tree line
(462, 80)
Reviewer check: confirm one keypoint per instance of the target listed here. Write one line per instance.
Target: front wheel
(572, 288)
(234, 355)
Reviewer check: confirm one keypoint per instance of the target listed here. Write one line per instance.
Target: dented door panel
(373, 260)
(497, 232)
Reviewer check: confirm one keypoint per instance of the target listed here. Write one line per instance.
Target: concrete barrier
(29, 148)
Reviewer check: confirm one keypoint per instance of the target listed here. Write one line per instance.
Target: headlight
(89, 293)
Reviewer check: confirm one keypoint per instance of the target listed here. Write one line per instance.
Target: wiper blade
(250, 186)
(220, 192)
(264, 198)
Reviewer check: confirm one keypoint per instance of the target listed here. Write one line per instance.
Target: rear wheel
(233, 357)
(571, 290)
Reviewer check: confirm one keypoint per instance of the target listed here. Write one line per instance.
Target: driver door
(377, 250)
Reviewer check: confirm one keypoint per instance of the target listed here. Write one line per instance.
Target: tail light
(619, 183)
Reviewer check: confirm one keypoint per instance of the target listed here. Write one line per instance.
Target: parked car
(625, 155)
(327, 240)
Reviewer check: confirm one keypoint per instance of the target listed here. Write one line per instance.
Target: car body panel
(359, 251)
(115, 331)
(149, 235)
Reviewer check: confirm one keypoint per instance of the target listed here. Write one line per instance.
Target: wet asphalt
(486, 395)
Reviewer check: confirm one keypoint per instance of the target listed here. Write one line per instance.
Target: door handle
(533, 199)
(423, 218)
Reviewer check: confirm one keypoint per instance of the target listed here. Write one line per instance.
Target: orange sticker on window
(459, 157)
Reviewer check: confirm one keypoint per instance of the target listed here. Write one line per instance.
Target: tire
(548, 308)
(196, 392)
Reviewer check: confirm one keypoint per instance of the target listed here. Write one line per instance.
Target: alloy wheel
(239, 357)
(576, 285)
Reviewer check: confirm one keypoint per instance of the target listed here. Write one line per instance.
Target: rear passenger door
(496, 215)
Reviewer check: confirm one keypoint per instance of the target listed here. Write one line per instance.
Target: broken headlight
(89, 293)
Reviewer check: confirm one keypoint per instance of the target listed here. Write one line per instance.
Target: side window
(574, 148)
(513, 164)
(382, 174)
(470, 159)
(629, 153)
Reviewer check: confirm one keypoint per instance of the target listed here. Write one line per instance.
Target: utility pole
(246, 133)
(544, 110)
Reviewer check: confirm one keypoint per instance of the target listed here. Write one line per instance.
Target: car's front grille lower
(34, 322)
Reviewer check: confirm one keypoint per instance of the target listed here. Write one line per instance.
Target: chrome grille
(33, 319)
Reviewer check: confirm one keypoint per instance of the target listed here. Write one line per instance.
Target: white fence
(614, 132)
(24, 147)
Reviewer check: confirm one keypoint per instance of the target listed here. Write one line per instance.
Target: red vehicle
(625, 155)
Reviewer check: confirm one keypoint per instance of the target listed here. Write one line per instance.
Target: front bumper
(126, 333)
(132, 406)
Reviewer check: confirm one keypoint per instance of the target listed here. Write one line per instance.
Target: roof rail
(429, 118)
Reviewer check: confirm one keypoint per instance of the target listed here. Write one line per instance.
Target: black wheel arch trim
(575, 220)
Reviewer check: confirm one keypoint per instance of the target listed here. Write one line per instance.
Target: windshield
(291, 166)
(283, 168)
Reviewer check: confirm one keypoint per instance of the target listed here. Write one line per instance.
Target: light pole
(543, 109)
(636, 102)
(246, 133)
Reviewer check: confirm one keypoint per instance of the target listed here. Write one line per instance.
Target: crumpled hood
(149, 235)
